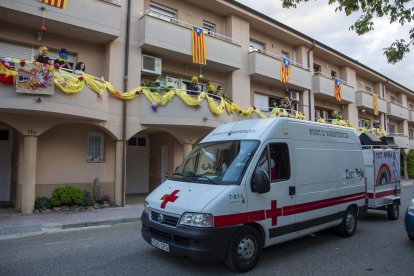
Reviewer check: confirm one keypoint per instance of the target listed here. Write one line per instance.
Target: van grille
(164, 219)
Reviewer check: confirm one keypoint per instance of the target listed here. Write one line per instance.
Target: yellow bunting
(190, 100)
(94, 84)
(216, 110)
(67, 82)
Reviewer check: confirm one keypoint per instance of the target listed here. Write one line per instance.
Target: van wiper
(193, 175)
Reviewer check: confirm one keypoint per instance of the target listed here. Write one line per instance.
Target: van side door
(275, 159)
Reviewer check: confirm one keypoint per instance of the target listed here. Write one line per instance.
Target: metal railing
(330, 77)
(189, 26)
(266, 53)
(371, 94)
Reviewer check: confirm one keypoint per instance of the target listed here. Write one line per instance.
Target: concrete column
(187, 148)
(118, 173)
(28, 173)
(352, 114)
(405, 167)
(238, 82)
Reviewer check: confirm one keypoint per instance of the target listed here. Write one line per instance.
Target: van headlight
(197, 219)
(411, 206)
(146, 207)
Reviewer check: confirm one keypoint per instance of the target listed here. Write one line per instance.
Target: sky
(319, 20)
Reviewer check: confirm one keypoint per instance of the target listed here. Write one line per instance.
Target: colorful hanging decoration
(337, 89)
(61, 4)
(285, 70)
(6, 73)
(375, 99)
(34, 78)
(198, 45)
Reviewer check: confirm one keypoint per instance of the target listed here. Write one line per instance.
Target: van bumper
(201, 244)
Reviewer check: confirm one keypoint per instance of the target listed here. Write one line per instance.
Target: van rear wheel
(349, 223)
(393, 211)
(244, 250)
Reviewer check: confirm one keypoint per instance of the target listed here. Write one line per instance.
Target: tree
(401, 11)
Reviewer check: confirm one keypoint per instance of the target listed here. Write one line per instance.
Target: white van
(254, 183)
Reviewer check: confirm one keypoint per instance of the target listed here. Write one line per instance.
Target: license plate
(161, 245)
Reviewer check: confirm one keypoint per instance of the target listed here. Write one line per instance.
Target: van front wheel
(244, 250)
(393, 211)
(349, 223)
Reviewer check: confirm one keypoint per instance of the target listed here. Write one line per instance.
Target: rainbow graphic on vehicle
(384, 175)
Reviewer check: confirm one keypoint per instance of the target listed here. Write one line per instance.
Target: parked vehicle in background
(409, 220)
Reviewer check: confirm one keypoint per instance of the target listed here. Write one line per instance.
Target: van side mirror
(260, 182)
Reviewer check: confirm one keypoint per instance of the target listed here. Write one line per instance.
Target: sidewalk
(15, 224)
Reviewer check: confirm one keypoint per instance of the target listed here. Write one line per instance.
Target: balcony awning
(369, 139)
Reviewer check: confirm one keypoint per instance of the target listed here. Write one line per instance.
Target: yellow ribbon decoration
(216, 110)
(7, 72)
(67, 82)
(94, 84)
(189, 100)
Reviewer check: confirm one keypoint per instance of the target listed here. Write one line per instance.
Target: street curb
(99, 223)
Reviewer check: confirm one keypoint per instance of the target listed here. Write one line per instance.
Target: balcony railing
(365, 99)
(189, 26)
(397, 111)
(324, 85)
(266, 67)
(252, 49)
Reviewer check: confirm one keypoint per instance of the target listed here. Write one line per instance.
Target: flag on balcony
(375, 97)
(337, 89)
(61, 4)
(285, 70)
(198, 45)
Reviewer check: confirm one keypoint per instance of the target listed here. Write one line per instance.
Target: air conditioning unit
(294, 95)
(152, 65)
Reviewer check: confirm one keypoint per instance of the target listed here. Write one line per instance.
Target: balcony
(176, 112)
(397, 111)
(411, 143)
(265, 67)
(411, 116)
(84, 104)
(365, 100)
(401, 140)
(323, 86)
(95, 20)
(171, 38)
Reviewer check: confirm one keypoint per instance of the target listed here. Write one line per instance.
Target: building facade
(48, 141)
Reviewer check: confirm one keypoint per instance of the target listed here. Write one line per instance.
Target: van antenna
(230, 132)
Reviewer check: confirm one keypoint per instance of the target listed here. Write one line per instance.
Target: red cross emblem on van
(169, 198)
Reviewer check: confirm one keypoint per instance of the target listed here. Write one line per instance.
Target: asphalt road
(379, 247)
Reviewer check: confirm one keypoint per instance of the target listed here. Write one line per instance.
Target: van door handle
(292, 190)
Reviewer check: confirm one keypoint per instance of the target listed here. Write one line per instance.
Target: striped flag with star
(337, 89)
(285, 70)
(61, 4)
(198, 45)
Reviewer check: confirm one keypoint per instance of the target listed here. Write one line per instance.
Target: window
(316, 68)
(368, 89)
(136, 141)
(334, 74)
(361, 122)
(275, 161)
(96, 147)
(411, 106)
(285, 54)
(392, 99)
(261, 102)
(391, 129)
(209, 28)
(162, 12)
(13, 50)
(410, 133)
(322, 113)
(256, 46)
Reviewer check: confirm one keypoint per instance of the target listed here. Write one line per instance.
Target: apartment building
(51, 140)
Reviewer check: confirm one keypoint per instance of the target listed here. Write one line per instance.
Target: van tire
(393, 211)
(349, 223)
(244, 249)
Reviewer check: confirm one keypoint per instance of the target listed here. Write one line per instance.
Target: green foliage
(400, 11)
(88, 199)
(42, 203)
(410, 163)
(67, 196)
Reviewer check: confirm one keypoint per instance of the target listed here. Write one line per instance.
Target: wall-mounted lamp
(205, 118)
(38, 100)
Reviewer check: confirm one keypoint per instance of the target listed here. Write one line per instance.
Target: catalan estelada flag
(61, 4)
(337, 89)
(375, 99)
(285, 70)
(198, 45)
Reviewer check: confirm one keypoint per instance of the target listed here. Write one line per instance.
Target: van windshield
(219, 163)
